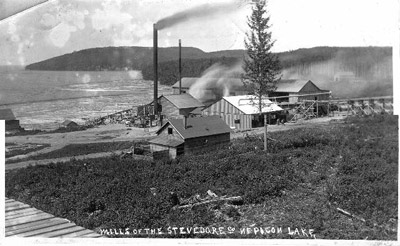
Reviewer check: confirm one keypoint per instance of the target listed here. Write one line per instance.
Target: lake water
(44, 99)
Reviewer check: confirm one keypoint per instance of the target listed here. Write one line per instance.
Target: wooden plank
(61, 232)
(12, 202)
(16, 207)
(20, 211)
(34, 223)
(68, 231)
(9, 200)
(22, 220)
(28, 219)
(37, 226)
(92, 235)
(46, 230)
(78, 234)
(27, 213)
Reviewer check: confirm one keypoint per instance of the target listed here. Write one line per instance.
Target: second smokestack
(180, 67)
(155, 66)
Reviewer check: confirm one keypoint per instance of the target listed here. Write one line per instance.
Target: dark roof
(198, 126)
(292, 85)
(166, 141)
(182, 101)
(68, 122)
(6, 114)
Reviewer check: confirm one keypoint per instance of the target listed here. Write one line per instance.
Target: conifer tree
(261, 67)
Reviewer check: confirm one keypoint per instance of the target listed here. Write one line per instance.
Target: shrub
(353, 166)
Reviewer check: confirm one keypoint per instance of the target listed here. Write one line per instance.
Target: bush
(353, 166)
(82, 149)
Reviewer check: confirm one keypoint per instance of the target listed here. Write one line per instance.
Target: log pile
(210, 198)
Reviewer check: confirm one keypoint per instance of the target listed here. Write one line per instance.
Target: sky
(57, 27)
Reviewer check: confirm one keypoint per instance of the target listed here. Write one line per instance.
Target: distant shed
(292, 89)
(69, 124)
(241, 112)
(178, 136)
(11, 122)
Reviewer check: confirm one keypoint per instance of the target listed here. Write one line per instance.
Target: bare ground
(119, 132)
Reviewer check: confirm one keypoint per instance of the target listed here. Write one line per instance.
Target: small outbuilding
(293, 89)
(242, 112)
(11, 122)
(69, 124)
(179, 136)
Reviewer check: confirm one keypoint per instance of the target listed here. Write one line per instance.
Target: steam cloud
(205, 10)
(216, 82)
(376, 81)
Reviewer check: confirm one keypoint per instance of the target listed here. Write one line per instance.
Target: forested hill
(323, 64)
(120, 58)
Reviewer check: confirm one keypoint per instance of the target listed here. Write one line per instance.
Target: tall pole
(265, 132)
(155, 66)
(180, 67)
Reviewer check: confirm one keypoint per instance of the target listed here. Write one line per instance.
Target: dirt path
(313, 123)
(105, 133)
(23, 164)
(111, 133)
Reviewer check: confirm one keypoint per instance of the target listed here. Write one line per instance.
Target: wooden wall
(172, 151)
(190, 145)
(12, 125)
(168, 109)
(310, 88)
(229, 114)
(195, 144)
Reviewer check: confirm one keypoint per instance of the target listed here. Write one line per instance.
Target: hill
(112, 58)
(366, 70)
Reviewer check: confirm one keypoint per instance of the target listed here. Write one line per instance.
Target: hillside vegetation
(367, 63)
(306, 175)
(119, 58)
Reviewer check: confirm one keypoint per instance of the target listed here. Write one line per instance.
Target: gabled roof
(6, 114)
(292, 85)
(248, 104)
(165, 141)
(182, 101)
(198, 126)
(67, 122)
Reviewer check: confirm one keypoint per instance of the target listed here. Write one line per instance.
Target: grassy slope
(80, 149)
(305, 177)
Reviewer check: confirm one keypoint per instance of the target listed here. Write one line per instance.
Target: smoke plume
(348, 75)
(216, 82)
(205, 10)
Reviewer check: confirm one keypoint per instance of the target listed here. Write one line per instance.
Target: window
(169, 130)
(237, 121)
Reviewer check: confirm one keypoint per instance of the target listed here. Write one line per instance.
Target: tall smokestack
(155, 66)
(180, 67)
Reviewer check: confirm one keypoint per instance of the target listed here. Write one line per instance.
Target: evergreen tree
(261, 68)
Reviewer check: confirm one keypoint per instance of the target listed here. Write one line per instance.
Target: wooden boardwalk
(21, 220)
